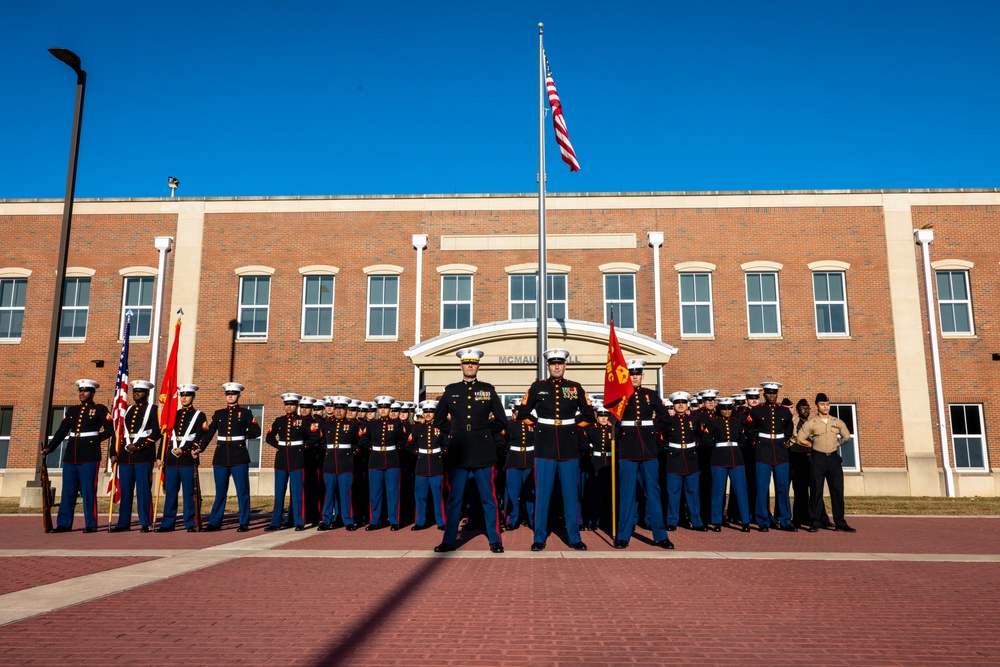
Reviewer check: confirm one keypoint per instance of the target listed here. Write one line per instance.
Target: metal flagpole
(543, 319)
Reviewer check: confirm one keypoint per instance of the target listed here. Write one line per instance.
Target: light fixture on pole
(172, 183)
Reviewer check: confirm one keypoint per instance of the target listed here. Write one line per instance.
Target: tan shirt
(824, 435)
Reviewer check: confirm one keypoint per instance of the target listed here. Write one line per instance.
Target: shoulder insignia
(314, 427)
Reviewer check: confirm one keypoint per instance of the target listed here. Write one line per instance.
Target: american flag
(120, 405)
(559, 121)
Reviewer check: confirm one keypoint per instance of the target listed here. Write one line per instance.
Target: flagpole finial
(180, 311)
(540, 26)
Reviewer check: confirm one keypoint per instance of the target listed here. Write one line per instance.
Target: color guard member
(136, 455)
(179, 465)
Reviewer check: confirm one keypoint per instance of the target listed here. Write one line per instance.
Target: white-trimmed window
(6, 415)
(254, 445)
(456, 302)
(55, 459)
(696, 304)
(619, 299)
(255, 306)
(763, 306)
(830, 298)
(849, 452)
(968, 437)
(383, 306)
(75, 309)
(12, 295)
(317, 306)
(523, 299)
(954, 302)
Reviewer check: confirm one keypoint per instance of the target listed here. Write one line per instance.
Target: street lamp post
(73, 61)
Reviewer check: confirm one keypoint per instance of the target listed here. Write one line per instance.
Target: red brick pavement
(501, 611)
(875, 534)
(29, 571)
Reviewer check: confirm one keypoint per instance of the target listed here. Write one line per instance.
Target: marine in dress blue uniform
(180, 464)
(84, 427)
(136, 455)
(595, 469)
(382, 439)
(340, 436)
(519, 469)
(643, 416)
(426, 448)
(682, 436)
(723, 436)
(234, 425)
(771, 427)
(477, 417)
(291, 435)
(556, 402)
(359, 494)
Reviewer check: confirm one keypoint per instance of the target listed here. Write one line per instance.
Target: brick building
(823, 291)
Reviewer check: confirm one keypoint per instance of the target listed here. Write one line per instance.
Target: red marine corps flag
(168, 408)
(617, 384)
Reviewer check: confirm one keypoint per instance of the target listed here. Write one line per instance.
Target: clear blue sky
(321, 98)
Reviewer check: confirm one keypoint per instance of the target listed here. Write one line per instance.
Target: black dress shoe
(578, 546)
(145, 529)
(701, 529)
(745, 528)
(763, 528)
(394, 527)
(844, 528)
(244, 528)
(323, 527)
(671, 528)
(61, 529)
(209, 528)
(496, 547)
(370, 527)
(664, 544)
(351, 528)
(537, 546)
(444, 547)
(440, 527)
(89, 530)
(620, 544)
(717, 528)
(827, 524)
(416, 527)
(813, 529)
(192, 529)
(299, 529)
(163, 529)
(790, 528)
(511, 526)
(271, 529)
(120, 529)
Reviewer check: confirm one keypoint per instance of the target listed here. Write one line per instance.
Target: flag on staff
(119, 406)
(617, 383)
(559, 121)
(169, 398)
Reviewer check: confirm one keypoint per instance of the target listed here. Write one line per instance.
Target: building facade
(823, 291)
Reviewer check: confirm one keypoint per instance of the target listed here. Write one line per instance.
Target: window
(317, 306)
(456, 302)
(255, 301)
(75, 307)
(254, 446)
(831, 303)
(968, 440)
(523, 302)
(846, 412)
(619, 299)
(696, 304)
(383, 306)
(954, 302)
(763, 313)
(55, 459)
(138, 297)
(5, 418)
(12, 292)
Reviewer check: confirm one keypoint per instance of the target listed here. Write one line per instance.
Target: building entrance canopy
(511, 348)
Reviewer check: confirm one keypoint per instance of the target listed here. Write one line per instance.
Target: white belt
(186, 438)
(556, 422)
(232, 438)
(771, 437)
(727, 444)
(644, 422)
(390, 448)
(436, 450)
(338, 446)
(88, 434)
(677, 445)
(523, 449)
(290, 443)
(602, 453)
(141, 434)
